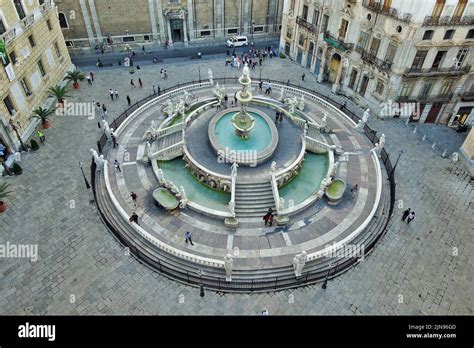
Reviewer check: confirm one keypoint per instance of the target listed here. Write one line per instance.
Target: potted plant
(59, 93)
(16, 168)
(34, 145)
(75, 76)
(43, 114)
(4, 194)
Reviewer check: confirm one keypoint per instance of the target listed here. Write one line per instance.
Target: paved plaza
(423, 268)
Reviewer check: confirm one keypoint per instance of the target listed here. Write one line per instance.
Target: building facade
(385, 54)
(33, 57)
(87, 23)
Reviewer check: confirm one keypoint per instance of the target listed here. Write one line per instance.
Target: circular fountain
(242, 121)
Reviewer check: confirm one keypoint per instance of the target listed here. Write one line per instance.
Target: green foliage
(17, 170)
(75, 76)
(34, 145)
(42, 114)
(58, 92)
(4, 193)
(282, 55)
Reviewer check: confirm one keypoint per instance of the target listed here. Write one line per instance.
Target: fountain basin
(335, 191)
(165, 198)
(230, 147)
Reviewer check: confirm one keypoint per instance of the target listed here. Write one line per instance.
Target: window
(301, 40)
(470, 34)
(425, 90)
(3, 29)
(48, 23)
(56, 49)
(19, 9)
(9, 105)
(386, 5)
(205, 33)
(31, 39)
(438, 8)
(428, 35)
(352, 78)
(305, 12)
(69, 44)
(315, 17)
(289, 33)
(391, 52)
(146, 37)
(438, 61)
(325, 24)
(13, 57)
(343, 29)
(232, 31)
(41, 68)
(41, 2)
(25, 86)
(462, 53)
(292, 7)
(419, 59)
(374, 46)
(128, 38)
(461, 6)
(446, 87)
(449, 34)
(362, 42)
(379, 87)
(407, 89)
(258, 29)
(62, 20)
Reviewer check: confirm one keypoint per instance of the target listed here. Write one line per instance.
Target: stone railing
(170, 130)
(380, 64)
(152, 239)
(170, 152)
(276, 194)
(431, 21)
(317, 146)
(44, 7)
(387, 11)
(28, 21)
(450, 70)
(232, 189)
(9, 36)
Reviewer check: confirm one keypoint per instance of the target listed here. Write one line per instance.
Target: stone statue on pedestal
(301, 103)
(228, 263)
(187, 98)
(360, 126)
(298, 263)
(218, 92)
(184, 199)
(211, 78)
(231, 206)
(273, 167)
(380, 145)
(234, 169)
(146, 153)
(282, 94)
(161, 177)
(282, 203)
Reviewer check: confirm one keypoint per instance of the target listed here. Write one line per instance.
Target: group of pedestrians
(252, 57)
(268, 217)
(408, 215)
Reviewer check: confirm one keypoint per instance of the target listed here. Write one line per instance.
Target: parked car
(237, 41)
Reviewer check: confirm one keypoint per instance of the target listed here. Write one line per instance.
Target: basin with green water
(335, 191)
(165, 198)
(308, 181)
(197, 192)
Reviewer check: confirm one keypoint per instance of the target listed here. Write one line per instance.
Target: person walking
(41, 136)
(218, 107)
(134, 198)
(114, 140)
(226, 98)
(89, 81)
(117, 166)
(134, 218)
(104, 111)
(405, 214)
(91, 75)
(280, 119)
(277, 116)
(267, 216)
(111, 92)
(143, 49)
(140, 82)
(116, 93)
(411, 217)
(354, 190)
(154, 89)
(132, 84)
(303, 76)
(187, 238)
(260, 85)
(128, 100)
(165, 74)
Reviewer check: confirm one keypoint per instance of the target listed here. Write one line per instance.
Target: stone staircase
(252, 200)
(168, 140)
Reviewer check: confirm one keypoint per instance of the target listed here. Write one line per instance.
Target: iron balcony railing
(467, 96)
(452, 70)
(9, 36)
(387, 11)
(307, 25)
(431, 21)
(337, 43)
(380, 64)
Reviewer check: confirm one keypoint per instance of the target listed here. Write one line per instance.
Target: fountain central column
(242, 121)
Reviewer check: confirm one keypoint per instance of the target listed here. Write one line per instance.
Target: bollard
(414, 130)
(424, 137)
(433, 146)
(445, 153)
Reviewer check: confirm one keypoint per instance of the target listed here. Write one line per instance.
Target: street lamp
(199, 71)
(253, 28)
(15, 129)
(201, 293)
(84, 176)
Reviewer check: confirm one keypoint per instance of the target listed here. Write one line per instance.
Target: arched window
(428, 35)
(470, 34)
(63, 20)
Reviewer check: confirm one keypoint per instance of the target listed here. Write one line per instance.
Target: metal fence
(332, 269)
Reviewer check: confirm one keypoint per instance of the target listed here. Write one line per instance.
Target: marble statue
(146, 153)
(246, 72)
(105, 126)
(282, 95)
(334, 168)
(298, 263)
(291, 102)
(161, 177)
(211, 77)
(305, 129)
(228, 263)
(291, 204)
(170, 108)
(181, 106)
(95, 155)
(360, 126)
(273, 167)
(324, 121)
(282, 203)
(231, 206)
(187, 98)
(380, 145)
(151, 132)
(184, 199)
(301, 103)
(234, 169)
(218, 92)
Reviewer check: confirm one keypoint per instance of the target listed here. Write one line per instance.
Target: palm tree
(59, 93)
(75, 76)
(43, 114)
(4, 194)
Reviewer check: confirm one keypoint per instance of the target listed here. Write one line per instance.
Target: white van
(237, 41)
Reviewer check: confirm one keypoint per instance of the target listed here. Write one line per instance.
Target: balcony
(28, 21)
(45, 6)
(430, 21)
(467, 96)
(380, 64)
(336, 43)
(9, 36)
(306, 25)
(386, 11)
(438, 98)
(429, 72)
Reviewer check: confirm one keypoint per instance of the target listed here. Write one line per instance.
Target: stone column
(322, 64)
(272, 16)
(87, 22)
(192, 34)
(95, 20)
(185, 29)
(336, 83)
(168, 24)
(245, 16)
(161, 23)
(151, 9)
(219, 18)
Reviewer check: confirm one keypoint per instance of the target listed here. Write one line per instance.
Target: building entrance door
(433, 113)
(334, 67)
(363, 85)
(176, 29)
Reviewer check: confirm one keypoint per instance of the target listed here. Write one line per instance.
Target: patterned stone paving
(423, 268)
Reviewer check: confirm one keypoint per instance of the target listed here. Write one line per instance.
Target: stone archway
(334, 67)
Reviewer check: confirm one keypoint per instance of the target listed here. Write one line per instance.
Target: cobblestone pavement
(423, 268)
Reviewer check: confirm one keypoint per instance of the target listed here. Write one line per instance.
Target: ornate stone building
(86, 23)
(33, 57)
